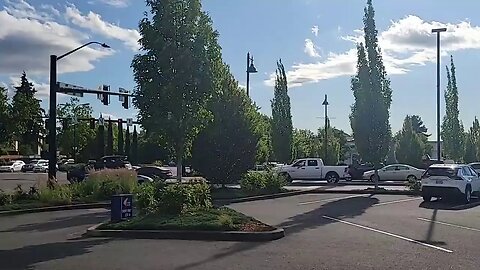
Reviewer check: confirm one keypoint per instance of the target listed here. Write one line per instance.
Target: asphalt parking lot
(323, 231)
(8, 181)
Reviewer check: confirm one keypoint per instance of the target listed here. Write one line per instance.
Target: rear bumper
(441, 191)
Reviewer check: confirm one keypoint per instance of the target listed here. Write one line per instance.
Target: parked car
(155, 172)
(450, 180)
(40, 167)
(313, 168)
(356, 171)
(113, 162)
(144, 179)
(395, 172)
(29, 167)
(12, 166)
(475, 166)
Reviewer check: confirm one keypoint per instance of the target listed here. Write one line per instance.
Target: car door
(312, 170)
(475, 179)
(402, 172)
(387, 173)
(297, 170)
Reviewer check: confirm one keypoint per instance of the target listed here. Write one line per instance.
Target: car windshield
(448, 172)
(10, 163)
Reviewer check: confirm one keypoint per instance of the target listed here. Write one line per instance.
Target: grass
(214, 219)
(30, 204)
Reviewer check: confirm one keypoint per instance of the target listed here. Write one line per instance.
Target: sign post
(121, 207)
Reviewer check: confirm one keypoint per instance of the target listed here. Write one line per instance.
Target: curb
(365, 191)
(263, 197)
(188, 235)
(55, 208)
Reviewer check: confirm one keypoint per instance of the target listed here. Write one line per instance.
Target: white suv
(446, 180)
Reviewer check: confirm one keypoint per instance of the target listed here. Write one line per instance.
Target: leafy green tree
(452, 127)
(470, 154)
(264, 147)
(410, 146)
(369, 118)
(83, 144)
(476, 136)
(109, 150)
(127, 142)
(304, 144)
(282, 128)
(333, 146)
(174, 72)
(5, 121)
(227, 148)
(120, 141)
(134, 153)
(26, 113)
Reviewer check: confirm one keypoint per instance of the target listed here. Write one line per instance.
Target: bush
(262, 182)
(103, 184)
(58, 195)
(5, 198)
(414, 185)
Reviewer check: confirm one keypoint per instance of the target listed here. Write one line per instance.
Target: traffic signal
(46, 123)
(125, 102)
(106, 89)
(92, 123)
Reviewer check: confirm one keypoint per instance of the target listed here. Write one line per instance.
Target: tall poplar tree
(282, 128)
(109, 150)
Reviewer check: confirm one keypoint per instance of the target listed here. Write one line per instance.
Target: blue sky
(315, 40)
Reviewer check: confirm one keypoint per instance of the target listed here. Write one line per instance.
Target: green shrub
(225, 220)
(414, 185)
(260, 182)
(103, 184)
(58, 195)
(146, 197)
(5, 198)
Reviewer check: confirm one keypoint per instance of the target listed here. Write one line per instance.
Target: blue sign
(121, 207)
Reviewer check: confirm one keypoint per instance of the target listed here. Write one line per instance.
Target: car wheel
(12, 170)
(412, 178)
(426, 198)
(332, 177)
(468, 195)
(372, 179)
(288, 178)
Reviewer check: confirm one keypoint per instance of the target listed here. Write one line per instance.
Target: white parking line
(331, 199)
(398, 201)
(389, 234)
(449, 224)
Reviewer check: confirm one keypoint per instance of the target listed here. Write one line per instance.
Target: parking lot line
(449, 224)
(388, 234)
(331, 199)
(398, 201)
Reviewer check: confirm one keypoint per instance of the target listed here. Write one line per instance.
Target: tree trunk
(376, 177)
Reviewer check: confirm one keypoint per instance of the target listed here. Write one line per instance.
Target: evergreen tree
(470, 148)
(476, 136)
(174, 72)
(120, 149)
(134, 153)
(452, 127)
(109, 150)
(100, 141)
(410, 146)
(5, 121)
(26, 115)
(282, 128)
(369, 118)
(127, 142)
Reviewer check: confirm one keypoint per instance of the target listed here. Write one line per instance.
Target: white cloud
(310, 48)
(405, 44)
(31, 37)
(94, 23)
(113, 3)
(315, 30)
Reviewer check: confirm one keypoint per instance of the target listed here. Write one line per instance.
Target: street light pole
(438, 31)
(325, 103)
(52, 122)
(250, 69)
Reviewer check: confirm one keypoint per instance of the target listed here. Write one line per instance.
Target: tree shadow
(61, 223)
(26, 257)
(449, 204)
(340, 209)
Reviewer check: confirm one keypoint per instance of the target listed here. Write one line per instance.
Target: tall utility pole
(325, 103)
(250, 69)
(438, 31)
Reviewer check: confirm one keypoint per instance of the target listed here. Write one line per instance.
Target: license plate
(439, 181)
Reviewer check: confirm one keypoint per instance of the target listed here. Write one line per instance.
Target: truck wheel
(287, 177)
(332, 177)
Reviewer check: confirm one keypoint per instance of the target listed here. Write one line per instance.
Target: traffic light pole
(52, 122)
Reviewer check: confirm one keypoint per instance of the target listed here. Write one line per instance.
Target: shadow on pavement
(61, 223)
(26, 257)
(445, 204)
(342, 208)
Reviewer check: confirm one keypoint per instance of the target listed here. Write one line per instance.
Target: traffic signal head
(125, 102)
(105, 95)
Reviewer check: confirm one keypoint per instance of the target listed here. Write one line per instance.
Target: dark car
(356, 171)
(155, 172)
(113, 162)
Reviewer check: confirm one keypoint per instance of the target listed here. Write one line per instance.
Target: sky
(315, 40)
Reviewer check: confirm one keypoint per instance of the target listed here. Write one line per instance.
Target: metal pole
(52, 122)
(326, 129)
(438, 98)
(74, 142)
(248, 74)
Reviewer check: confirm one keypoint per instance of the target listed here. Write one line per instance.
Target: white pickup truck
(313, 168)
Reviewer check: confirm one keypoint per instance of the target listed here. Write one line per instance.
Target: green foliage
(56, 196)
(5, 198)
(410, 146)
(264, 145)
(414, 185)
(452, 127)
(282, 128)
(120, 141)
(265, 182)
(174, 73)
(134, 154)
(100, 141)
(127, 142)
(226, 149)
(26, 114)
(6, 121)
(470, 154)
(333, 146)
(305, 144)
(109, 149)
(369, 118)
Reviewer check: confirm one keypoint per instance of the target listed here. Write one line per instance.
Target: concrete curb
(366, 191)
(188, 235)
(263, 197)
(55, 208)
